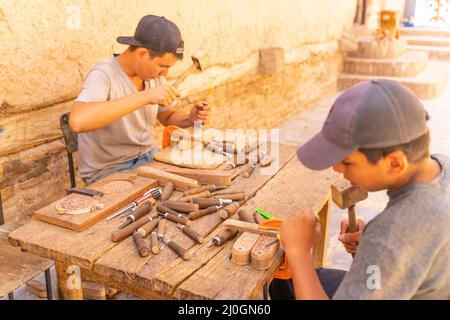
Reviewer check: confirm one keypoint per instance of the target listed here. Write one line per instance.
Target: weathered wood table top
(208, 274)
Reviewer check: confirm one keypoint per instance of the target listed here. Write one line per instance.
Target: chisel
(152, 194)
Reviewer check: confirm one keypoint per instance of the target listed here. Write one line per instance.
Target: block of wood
(261, 254)
(240, 253)
(216, 177)
(194, 158)
(93, 291)
(181, 183)
(37, 288)
(119, 190)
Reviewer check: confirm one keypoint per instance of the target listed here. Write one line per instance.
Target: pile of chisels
(148, 229)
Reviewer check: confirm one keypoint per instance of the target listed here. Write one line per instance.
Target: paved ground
(298, 130)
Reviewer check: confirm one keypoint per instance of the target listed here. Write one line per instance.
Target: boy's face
(368, 176)
(148, 68)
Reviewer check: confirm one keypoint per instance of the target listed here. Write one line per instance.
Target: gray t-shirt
(407, 246)
(123, 140)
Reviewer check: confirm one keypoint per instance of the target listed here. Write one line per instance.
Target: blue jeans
(129, 165)
(330, 279)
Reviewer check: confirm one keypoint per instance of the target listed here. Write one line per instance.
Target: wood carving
(262, 255)
(240, 253)
(78, 204)
(117, 186)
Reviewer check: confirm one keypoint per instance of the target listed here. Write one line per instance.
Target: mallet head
(344, 194)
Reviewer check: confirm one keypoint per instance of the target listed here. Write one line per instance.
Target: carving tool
(152, 195)
(161, 230)
(176, 218)
(194, 235)
(137, 213)
(200, 213)
(87, 192)
(182, 252)
(141, 246)
(223, 237)
(209, 187)
(209, 202)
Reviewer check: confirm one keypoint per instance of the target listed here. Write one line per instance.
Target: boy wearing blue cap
(376, 136)
(122, 97)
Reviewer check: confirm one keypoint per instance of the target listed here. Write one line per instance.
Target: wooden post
(69, 281)
(319, 250)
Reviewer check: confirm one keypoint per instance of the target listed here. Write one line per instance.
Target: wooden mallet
(200, 61)
(345, 195)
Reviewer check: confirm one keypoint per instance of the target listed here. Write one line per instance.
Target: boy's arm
(199, 112)
(88, 116)
(93, 110)
(306, 283)
(298, 236)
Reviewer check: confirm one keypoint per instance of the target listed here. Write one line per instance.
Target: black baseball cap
(157, 34)
(373, 114)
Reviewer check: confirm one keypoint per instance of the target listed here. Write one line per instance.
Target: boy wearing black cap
(123, 96)
(376, 136)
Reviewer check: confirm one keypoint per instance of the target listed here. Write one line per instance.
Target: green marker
(263, 213)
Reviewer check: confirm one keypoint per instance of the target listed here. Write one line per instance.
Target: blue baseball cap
(157, 34)
(372, 114)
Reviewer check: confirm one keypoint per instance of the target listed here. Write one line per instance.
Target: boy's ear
(142, 53)
(396, 161)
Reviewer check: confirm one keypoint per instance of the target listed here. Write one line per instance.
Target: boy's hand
(200, 112)
(300, 232)
(163, 95)
(350, 240)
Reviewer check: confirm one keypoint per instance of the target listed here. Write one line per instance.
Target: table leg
(69, 281)
(319, 251)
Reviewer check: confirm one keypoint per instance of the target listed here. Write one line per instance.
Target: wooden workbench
(208, 274)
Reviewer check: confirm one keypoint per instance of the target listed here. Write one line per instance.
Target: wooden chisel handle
(195, 191)
(141, 245)
(247, 170)
(246, 215)
(142, 210)
(200, 213)
(233, 196)
(178, 219)
(148, 227)
(154, 241)
(182, 252)
(180, 206)
(229, 210)
(163, 209)
(161, 228)
(203, 194)
(119, 235)
(223, 192)
(168, 191)
(191, 233)
(224, 236)
(208, 202)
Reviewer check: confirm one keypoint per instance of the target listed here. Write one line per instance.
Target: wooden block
(216, 177)
(37, 288)
(271, 60)
(188, 158)
(93, 291)
(344, 194)
(181, 183)
(261, 255)
(115, 196)
(240, 253)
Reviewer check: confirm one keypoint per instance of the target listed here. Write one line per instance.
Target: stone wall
(48, 46)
